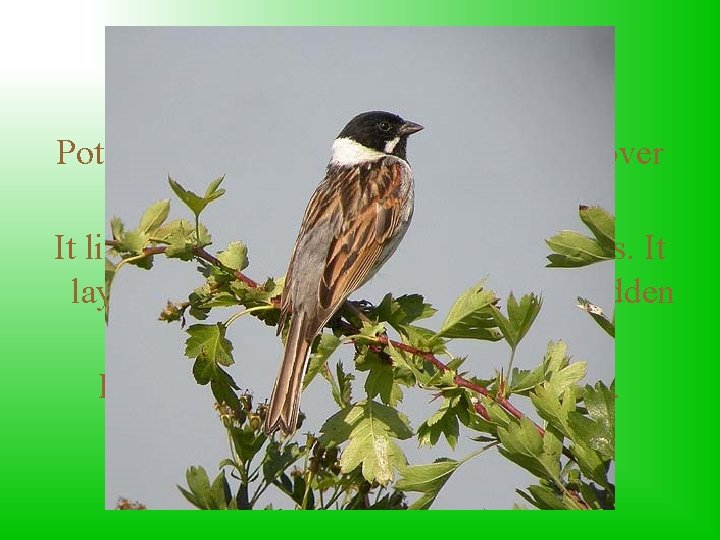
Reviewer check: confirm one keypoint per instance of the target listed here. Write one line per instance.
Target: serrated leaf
(573, 250)
(552, 449)
(117, 228)
(370, 428)
(522, 438)
(179, 245)
(400, 312)
(443, 422)
(424, 339)
(553, 406)
(524, 380)
(204, 370)
(234, 256)
(371, 331)
(247, 442)
(380, 379)
(543, 498)
(602, 225)
(596, 312)
(344, 388)
(274, 287)
(427, 479)
(591, 463)
(209, 341)
(555, 358)
(219, 493)
(212, 191)
(522, 444)
(278, 459)
(406, 362)
(522, 314)
(598, 431)
(132, 242)
(520, 317)
(223, 388)
(154, 216)
(471, 316)
(110, 269)
(193, 201)
(327, 344)
(199, 484)
(569, 376)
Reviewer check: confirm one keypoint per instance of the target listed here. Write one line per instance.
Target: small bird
(353, 223)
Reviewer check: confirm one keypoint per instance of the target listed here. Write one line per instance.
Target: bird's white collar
(345, 151)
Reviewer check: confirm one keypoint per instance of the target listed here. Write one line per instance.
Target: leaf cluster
(565, 439)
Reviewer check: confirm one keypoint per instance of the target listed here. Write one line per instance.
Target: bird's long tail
(284, 404)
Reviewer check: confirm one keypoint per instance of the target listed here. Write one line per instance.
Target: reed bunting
(352, 225)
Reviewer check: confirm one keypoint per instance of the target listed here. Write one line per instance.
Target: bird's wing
(349, 223)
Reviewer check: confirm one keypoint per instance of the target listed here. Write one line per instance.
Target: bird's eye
(384, 126)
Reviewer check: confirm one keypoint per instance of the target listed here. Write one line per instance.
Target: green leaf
(223, 388)
(568, 376)
(554, 406)
(380, 379)
(524, 445)
(154, 216)
(194, 202)
(199, 484)
(407, 363)
(444, 421)
(219, 494)
(343, 396)
(110, 269)
(559, 371)
(212, 192)
(370, 427)
(602, 225)
(202, 494)
(117, 227)
(204, 370)
(555, 358)
(326, 345)
(234, 256)
(543, 497)
(520, 317)
(132, 242)
(247, 442)
(371, 331)
(278, 459)
(427, 479)
(179, 242)
(471, 316)
(209, 341)
(598, 431)
(591, 463)
(400, 312)
(596, 312)
(423, 339)
(573, 249)
(524, 380)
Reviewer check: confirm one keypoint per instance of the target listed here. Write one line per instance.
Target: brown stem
(199, 252)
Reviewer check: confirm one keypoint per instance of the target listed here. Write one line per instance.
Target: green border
(666, 84)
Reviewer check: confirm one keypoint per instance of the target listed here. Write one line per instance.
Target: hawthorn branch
(199, 252)
(500, 399)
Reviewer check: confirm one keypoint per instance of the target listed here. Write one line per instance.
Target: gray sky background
(519, 132)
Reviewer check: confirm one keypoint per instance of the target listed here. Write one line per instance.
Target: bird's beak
(408, 128)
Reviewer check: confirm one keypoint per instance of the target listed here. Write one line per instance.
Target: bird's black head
(380, 131)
